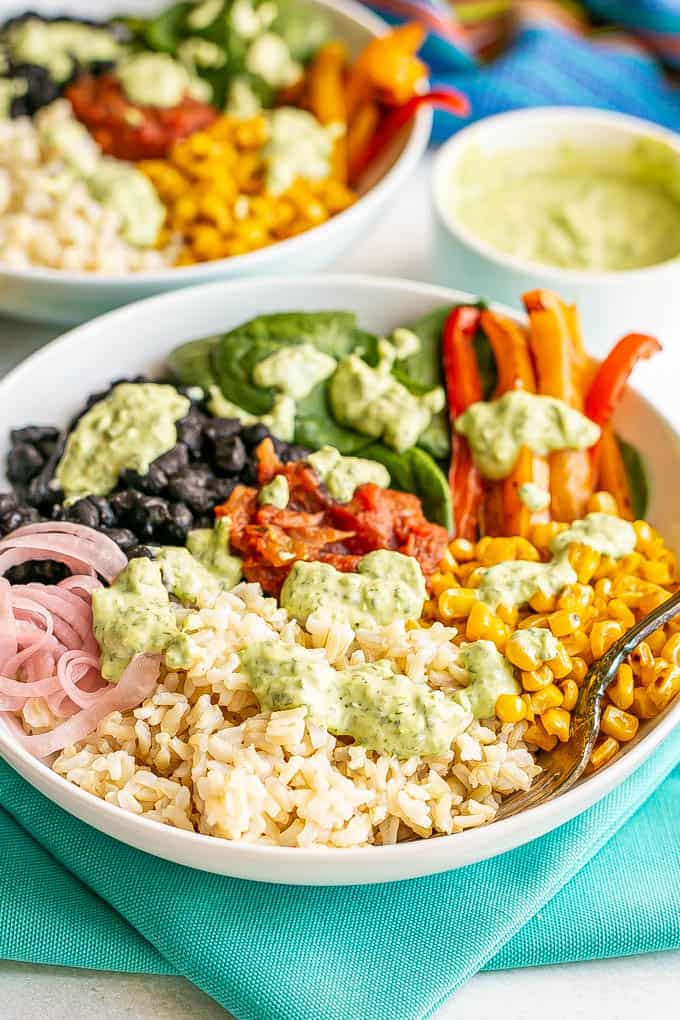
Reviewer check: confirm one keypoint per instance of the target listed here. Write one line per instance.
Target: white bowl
(610, 303)
(51, 385)
(51, 295)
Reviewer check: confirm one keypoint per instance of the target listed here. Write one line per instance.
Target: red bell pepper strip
(612, 375)
(463, 387)
(444, 99)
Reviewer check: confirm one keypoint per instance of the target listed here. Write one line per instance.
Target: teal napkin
(69, 895)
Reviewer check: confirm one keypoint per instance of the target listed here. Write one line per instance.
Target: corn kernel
(656, 572)
(561, 664)
(604, 752)
(440, 582)
(671, 650)
(621, 691)
(620, 611)
(508, 614)
(456, 603)
(604, 503)
(528, 710)
(643, 706)
(603, 635)
(665, 687)
(577, 643)
(569, 694)
(462, 549)
(652, 600)
(622, 726)
(550, 697)
(579, 668)
(542, 603)
(542, 534)
(498, 551)
(519, 655)
(557, 723)
(535, 734)
(585, 561)
(510, 708)
(449, 562)
(562, 622)
(483, 625)
(536, 679)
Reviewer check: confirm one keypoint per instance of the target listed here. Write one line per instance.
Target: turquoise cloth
(69, 895)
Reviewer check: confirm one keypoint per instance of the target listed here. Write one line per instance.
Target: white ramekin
(610, 303)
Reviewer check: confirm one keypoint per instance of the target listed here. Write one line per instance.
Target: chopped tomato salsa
(315, 527)
(128, 131)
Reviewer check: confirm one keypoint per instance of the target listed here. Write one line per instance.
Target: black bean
(123, 537)
(174, 461)
(123, 502)
(13, 519)
(230, 454)
(248, 475)
(8, 501)
(219, 428)
(40, 493)
(204, 521)
(38, 571)
(152, 483)
(287, 452)
(107, 518)
(33, 434)
(222, 488)
(188, 489)
(23, 462)
(190, 434)
(139, 551)
(174, 530)
(253, 435)
(83, 511)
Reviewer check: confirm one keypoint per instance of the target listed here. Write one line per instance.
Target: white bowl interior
(52, 384)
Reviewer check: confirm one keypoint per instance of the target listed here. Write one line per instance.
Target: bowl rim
(563, 807)
(242, 265)
(625, 123)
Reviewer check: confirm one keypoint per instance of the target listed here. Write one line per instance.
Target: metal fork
(565, 764)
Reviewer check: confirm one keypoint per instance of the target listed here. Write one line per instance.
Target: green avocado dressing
(384, 711)
(132, 616)
(490, 675)
(376, 404)
(270, 58)
(129, 428)
(533, 496)
(210, 546)
(294, 370)
(584, 209)
(277, 493)
(343, 475)
(59, 45)
(609, 535)
(280, 420)
(155, 79)
(387, 586)
(298, 146)
(496, 430)
(515, 582)
(538, 642)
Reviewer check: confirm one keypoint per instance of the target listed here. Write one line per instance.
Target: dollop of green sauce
(156, 79)
(387, 586)
(128, 429)
(578, 208)
(132, 616)
(298, 146)
(515, 582)
(490, 675)
(210, 547)
(609, 535)
(280, 420)
(376, 404)
(295, 369)
(59, 46)
(277, 493)
(384, 711)
(538, 642)
(496, 430)
(533, 496)
(343, 475)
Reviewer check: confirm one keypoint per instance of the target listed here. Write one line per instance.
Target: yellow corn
(604, 503)
(549, 697)
(621, 691)
(536, 679)
(604, 752)
(483, 625)
(622, 726)
(557, 723)
(456, 603)
(562, 622)
(561, 665)
(585, 561)
(603, 635)
(510, 708)
(579, 668)
(569, 694)
(519, 655)
(462, 549)
(536, 734)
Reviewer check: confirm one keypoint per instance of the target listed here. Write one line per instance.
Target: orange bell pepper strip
(388, 69)
(361, 130)
(558, 371)
(508, 340)
(326, 99)
(611, 472)
(463, 387)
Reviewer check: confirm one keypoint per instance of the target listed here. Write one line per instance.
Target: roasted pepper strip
(444, 99)
(558, 369)
(463, 387)
(387, 70)
(610, 380)
(326, 98)
(508, 340)
(611, 472)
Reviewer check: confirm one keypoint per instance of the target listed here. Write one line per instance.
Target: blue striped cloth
(547, 62)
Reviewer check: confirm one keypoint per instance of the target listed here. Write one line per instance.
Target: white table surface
(647, 986)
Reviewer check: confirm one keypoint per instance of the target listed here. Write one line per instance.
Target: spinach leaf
(191, 364)
(315, 431)
(637, 477)
(166, 31)
(237, 353)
